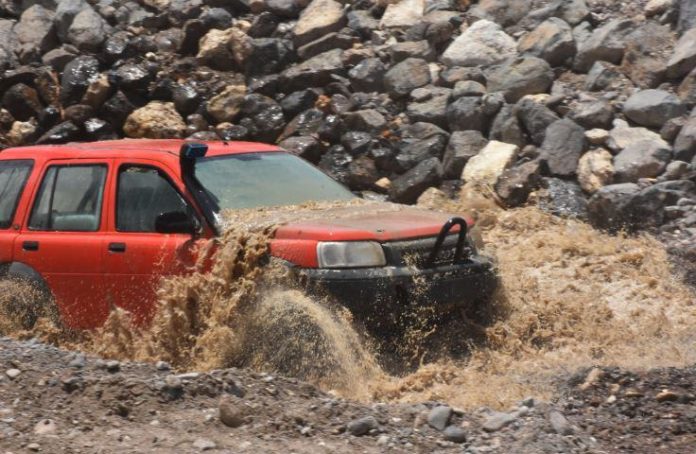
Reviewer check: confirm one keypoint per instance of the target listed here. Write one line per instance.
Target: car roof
(132, 148)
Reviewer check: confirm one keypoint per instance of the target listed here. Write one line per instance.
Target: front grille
(417, 252)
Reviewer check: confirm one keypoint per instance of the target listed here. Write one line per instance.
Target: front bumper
(380, 296)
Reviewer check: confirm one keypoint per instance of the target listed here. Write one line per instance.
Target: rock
(203, 444)
(88, 31)
(462, 146)
(559, 423)
(552, 40)
(77, 76)
(683, 59)
(431, 105)
(409, 186)
(597, 136)
(602, 76)
(299, 101)
(225, 106)
(323, 44)
(454, 434)
(406, 76)
(667, 396)
(414, 49)
(35, 33)
(466, 113)
(535, 117)
(65, 13)
(516, 183)
(22, 102)
(687, 89)
(34, 447)
(13, 373)
(362, 426)
(319, 18)
(45, 427)
(362, 173)
(21, 133)
(403, 14)
(563, 146)
(504, 12)
(131, 77)
(368, 75)
(563, 198)
(653, 108)
(97, 92)
(157, 120)
(607, 209)
(685, 143)
(225, 49)
(506, 127)
(657, 7)
(468, 88)
(592, 114)
(483, 44)
(498, 420)
(607, 43)
(520, 77)
(622, 135)
(644, 59)
(644, 159)
(413, 151)
(438, 417)
(64, 132)
(368, 120)
(232, 413)
(487, 166)
(595, 170)
(315, 72)
(306, 147)
(687, 15)
(362, 22)
(647, 208)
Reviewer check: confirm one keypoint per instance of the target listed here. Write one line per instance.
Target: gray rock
(362, 426)
(35, 32)
(403, 14)
(498, 420)
(559, 423)
(77, 76)
(362, 22)
(22, 102)
(406, 76)
(484, 43)
(504, 12)
(645, 159)
(683, 59)
(687, 15)
(318, 18)
(439, 417)
(323, 44)
(687, 89)
(607, 43)
(368, 120)
(685, 143)
(644, 60)
(368, 75)
(602, 76)
(58, 58)
(564, 198)
(608, 207)
(232, 413)
(411, 49)
(413, 151)
(409, 186)
(552, 40)
(315, 72)
(670, 130)
(454, 434)
(466, 113)
(592, 114)
(13, 373)
(516, 183)
(652, 108)
(65, 13)
(204, 444)
(520, 77)
(647, 208)
(675, 170)
(506, 127)
(468, 88)
(306, 147)
(571, 11)
(563, 146)
(430, 107)
(622, 135)
(535, 118)
(462, 146)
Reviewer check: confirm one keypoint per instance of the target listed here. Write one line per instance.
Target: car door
(63, 238)
(138, 256)
(13, 179)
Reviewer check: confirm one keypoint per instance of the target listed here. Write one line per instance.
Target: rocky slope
(92, 405)
(588, 98)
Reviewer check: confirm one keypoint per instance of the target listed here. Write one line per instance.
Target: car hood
(369, 221)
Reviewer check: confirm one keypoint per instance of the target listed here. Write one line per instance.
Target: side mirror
(176, 222)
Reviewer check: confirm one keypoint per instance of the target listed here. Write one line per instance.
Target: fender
(26, 273)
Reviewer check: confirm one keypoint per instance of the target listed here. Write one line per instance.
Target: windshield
(252, 180)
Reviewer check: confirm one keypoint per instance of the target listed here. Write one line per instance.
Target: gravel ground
(53, 400)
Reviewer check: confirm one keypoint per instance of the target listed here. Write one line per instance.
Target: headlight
(350, 254)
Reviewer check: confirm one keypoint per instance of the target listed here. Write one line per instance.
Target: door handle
(30, 246)
(117, 247)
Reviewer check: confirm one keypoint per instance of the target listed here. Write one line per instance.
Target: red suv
(96, 225)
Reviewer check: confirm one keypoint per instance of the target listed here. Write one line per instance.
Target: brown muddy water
(570, 297)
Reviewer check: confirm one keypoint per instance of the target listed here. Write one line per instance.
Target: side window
(69, 199)
(13, 177)
(143, 194)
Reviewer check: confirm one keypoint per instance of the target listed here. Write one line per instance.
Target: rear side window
(13, 178)
(143, 194)
(70, 199)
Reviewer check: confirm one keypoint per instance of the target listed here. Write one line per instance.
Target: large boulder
(535, 117)
(65, 13)
(466, 113)
(368, 75)
(552, 40)
(683, 59)
(88, 31)
(644, 159)
(315, 72)
(595, 170)
(607, 43)
(516, 183)
(519, 77)
(430, 105)
(652, 108)
(490, 163)
(685, 143)
(608, 208)
(406, 76)
(687, 15)
(483, 44)
(462, 146)
(77, 76)
(622, 135)
(225, 49)
(562, 147)
(644, 60)
(35, 32)
(409, 186)
(403, 14)
(225, 106)
(157, 120)
(506, 127)
(590, 114)
(318, 19)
